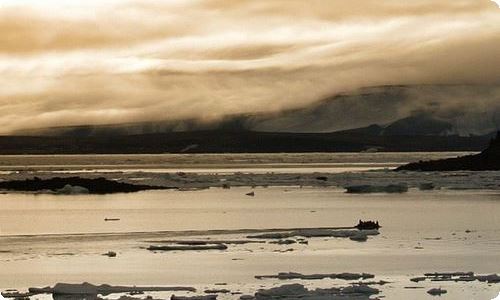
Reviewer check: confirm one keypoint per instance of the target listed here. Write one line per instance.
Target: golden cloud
(111, 61)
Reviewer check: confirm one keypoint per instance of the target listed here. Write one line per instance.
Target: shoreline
(185, 181)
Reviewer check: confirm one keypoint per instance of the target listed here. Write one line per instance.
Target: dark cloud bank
(274, 62)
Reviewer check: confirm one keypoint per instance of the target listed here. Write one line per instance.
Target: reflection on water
(232, 209)
(439, 230)
(260, 163)
(422, 232)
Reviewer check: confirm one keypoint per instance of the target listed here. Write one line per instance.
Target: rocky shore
(487, 160)
(74, 185)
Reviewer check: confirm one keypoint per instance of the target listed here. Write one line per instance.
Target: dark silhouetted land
(89, 185)
(487, 160)
(219, 141)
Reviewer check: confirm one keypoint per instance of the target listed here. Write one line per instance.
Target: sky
(118, 61)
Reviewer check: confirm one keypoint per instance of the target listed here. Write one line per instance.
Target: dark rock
(488, 160)
(188, 247)
(93, 185)
(207, 242)
(448, 274)
(217, 291)
(283, 242)
(89, 291)
(493, 278)
(367, 225)
(367, 189)
(360, 237)
(436, 292)
(110, 254)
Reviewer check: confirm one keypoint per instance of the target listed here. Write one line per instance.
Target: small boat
(367, 225)
(111, 219)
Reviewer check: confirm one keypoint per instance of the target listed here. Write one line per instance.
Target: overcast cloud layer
(101, 62)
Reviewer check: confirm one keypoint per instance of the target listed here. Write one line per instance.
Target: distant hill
(450, 105)
(421, 124)
(400, 110)
(417, 125)
(386, 118)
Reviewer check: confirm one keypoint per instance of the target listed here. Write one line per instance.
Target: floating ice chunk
(298, 291)
(318, 232)
(294, 275)
(360, 289)
(359, 237)
(493, 278)
(72, 190)
(284, 290)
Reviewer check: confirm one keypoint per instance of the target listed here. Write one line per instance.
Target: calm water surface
(25, 214)
(441, 230)
(275, 162)
(422, 232)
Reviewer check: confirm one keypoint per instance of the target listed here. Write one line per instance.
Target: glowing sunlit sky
(112, 61)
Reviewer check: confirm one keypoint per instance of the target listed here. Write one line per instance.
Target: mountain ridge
(381, 105)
